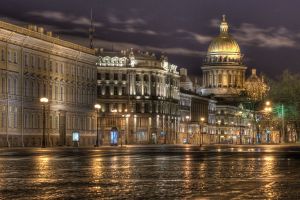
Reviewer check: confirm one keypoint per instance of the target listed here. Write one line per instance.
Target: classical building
(139, 97)
(223, 70)
(35, 64)
(224, 79)
(197, 113)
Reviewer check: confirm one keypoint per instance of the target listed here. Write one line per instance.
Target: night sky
(267, 31)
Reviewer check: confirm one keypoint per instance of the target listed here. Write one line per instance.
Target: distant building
(224, 79)
(223, 70)
(139, 97)
(35, 64)
(192, 108)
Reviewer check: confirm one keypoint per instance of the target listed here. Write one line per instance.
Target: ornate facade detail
(147, 92)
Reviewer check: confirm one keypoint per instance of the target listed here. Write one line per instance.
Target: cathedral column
(225, 78)
(215, 78)
(204, 79)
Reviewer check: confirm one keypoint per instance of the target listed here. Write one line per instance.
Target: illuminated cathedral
(223, 69)
(224, 79)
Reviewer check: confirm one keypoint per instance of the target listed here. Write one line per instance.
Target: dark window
(115, 90)
(115, 77)
(146, 78)
(123, 90)
(107, 90)
(137, 78)
(138, 108)
(98, 76)
(123, 77)
(99, 90)
(107, 76)
(146, 108)
(107, 107)
(152, 78)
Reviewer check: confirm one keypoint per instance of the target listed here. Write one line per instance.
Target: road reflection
(219, 173)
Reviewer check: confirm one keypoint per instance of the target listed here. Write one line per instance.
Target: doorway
(114, 135)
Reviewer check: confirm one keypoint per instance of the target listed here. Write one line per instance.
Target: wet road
(153, 172)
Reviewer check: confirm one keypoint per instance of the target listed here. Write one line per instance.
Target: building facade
(224, 79)
(197, 113)
(35, 64)
(139, 98)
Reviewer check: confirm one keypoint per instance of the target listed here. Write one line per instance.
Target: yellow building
(35, 64)
(223, 70)
(224, 78)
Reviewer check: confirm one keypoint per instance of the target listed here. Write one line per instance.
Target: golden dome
(224, 44)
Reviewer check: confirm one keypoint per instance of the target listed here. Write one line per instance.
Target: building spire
(224, 26)
(224, 18)
(91, 31)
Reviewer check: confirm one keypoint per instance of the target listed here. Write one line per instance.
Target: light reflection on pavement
(151, 172)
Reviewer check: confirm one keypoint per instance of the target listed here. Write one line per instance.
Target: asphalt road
(151, 172)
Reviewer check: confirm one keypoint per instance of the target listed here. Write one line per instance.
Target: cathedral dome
(223, 45)
(223, 48)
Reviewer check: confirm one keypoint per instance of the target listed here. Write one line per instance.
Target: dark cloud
(267, 31)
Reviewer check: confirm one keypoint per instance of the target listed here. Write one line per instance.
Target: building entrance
(114, 135)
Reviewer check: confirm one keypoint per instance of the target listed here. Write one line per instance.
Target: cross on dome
(224, 26)
(224, 18)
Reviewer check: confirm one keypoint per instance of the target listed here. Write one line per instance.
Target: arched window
(137, 78)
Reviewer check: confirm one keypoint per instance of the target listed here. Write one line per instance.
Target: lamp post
(44, 101)
(219, 130)
(187, 131)
(97, 107)
(268, 110)
(240, 133)
(127, 127)
(201, 131)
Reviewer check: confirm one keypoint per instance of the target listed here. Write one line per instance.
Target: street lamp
(201, 131)
(97, 107)
(240, 117)
(268, 110)
(219, 130)
(44, 101)
(187, 131)
(127, 128)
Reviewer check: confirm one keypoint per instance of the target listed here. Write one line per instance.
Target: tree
(255, 91)
(285, 93)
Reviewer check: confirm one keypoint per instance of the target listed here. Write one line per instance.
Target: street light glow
(202, 119)
(97, 106)
(268, 109)
(44, 100)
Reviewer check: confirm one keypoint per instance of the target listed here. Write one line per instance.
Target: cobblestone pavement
(151, 172)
